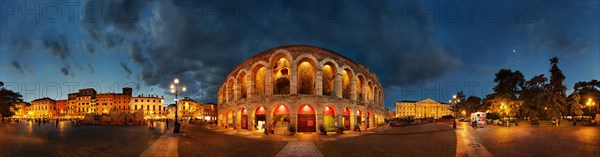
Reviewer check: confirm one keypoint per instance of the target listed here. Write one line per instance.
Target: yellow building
(423, 108)
(151, 105)
(81, 103)
(42, 108)
(21, 109)
(189, 108)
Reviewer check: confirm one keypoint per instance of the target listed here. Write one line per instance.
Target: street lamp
(454, 102)
(176, 89)
(590, 103)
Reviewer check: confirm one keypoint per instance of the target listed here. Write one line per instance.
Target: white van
(480, 117)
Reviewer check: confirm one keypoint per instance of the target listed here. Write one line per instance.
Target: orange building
(61, 107)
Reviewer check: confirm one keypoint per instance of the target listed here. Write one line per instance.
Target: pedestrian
(56, 122)
(553, 122)
(167, 123)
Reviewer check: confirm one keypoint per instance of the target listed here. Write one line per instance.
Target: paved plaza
(437, 139)
(25, 139)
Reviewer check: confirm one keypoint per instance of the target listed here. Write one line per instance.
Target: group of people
(555, 122)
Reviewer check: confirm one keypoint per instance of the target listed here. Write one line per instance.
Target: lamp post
(454, 103)
(590, 103)
(175, 89)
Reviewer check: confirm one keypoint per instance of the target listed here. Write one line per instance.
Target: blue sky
(418, 49)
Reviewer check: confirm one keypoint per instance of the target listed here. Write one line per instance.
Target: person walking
(553, 122)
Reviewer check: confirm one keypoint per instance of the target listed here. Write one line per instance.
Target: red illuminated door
(244, 121)
(347, 122)
(306, 123)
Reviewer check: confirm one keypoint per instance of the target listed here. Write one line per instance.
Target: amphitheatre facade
(300, 86)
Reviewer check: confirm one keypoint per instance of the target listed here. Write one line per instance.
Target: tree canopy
(8, 99)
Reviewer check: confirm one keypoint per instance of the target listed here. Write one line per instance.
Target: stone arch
(229, 94)
(329, 117)
(347, 76)
(306, 119)
(260, 112)
(281, 86)
(360, 84)
(258, 75)
(243, 118)
(360, 113)
(230, 117)
(242, 81)
(280, 65)
(306, 78)
(328, 75)
(369, 90)
(376, 95)
(281, 118)
(346, 117)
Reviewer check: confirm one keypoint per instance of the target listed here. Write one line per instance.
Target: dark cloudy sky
(418, 49)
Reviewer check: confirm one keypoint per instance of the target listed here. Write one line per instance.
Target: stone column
(320, 120)
(249, 85)
(352, 118)
(294, 79)
(236, 90)
(268, 81)
(269, 120)
(338, 119)
(293, 118)
(353, 94)
(319, 82)
(337, 85)
(251, 120)
(363, 91)
(235, 119)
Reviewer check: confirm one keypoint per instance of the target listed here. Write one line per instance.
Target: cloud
(79, 67)
(17, 65)
(135, 53)
(91, 68)
(554, 33)
(88, 47)
(65, 71)
(57, 45)
(21, 45)
(178, 40)
(125, 68)
(117, 19)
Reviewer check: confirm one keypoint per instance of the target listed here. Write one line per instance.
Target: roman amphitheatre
(300, 86)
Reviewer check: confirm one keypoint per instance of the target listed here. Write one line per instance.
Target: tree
(575, 102)
(508, 83)
(534, 97)
(589, 90)
(473, 104)
(506, 91)
(8, 99)
(556, 91)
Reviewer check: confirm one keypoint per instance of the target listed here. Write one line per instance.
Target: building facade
(21, 110)
(43, 108)
(81, 103)
(61, 108)
(210, 112)
(422, 109)
(189, 108)
(300, 86)
(151, 105)
(108, 102)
